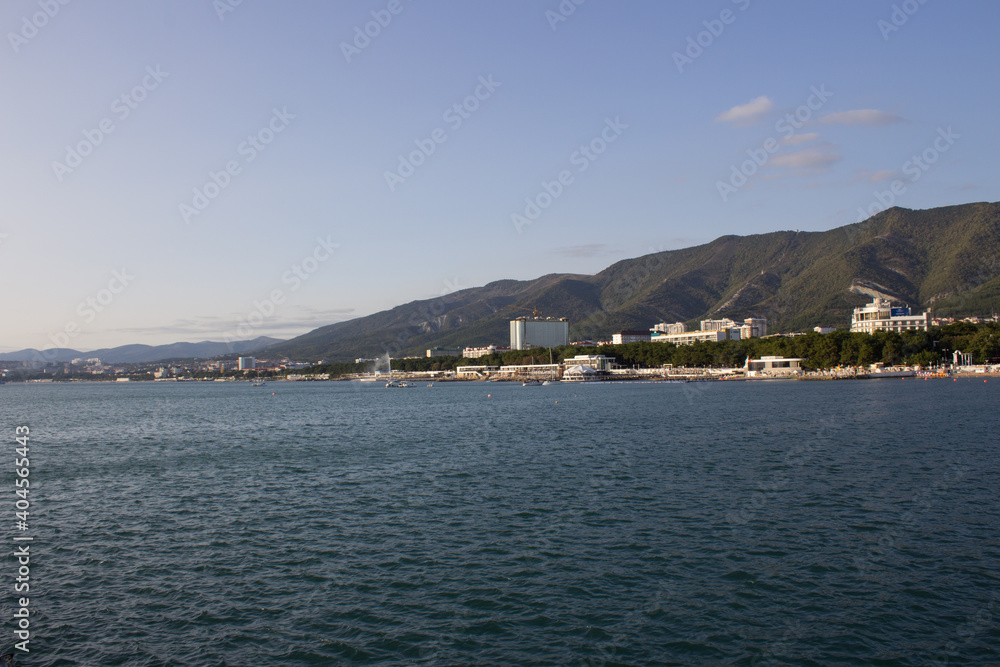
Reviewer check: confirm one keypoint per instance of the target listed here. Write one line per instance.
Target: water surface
(785, 523)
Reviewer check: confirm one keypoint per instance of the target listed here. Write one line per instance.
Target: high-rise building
(717, 325)
(247, 363)
(753, 327)
(676, 327)
(526, 332)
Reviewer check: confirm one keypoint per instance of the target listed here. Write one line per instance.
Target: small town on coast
(884, 341)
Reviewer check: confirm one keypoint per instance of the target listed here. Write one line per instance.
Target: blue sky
(199, 170)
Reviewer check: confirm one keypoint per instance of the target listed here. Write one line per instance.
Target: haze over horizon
(172, 169)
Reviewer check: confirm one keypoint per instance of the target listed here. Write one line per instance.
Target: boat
(531, 383)
(395, 384)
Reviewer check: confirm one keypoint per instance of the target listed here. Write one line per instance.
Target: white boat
(531, 383)
(396, 384)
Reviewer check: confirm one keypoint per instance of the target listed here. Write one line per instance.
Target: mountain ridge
(137, 353)
(945, 258)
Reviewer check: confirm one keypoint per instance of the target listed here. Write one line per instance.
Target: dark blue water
(781, 523)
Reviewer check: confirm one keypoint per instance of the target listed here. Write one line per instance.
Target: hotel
(881, 315)
(528, 332)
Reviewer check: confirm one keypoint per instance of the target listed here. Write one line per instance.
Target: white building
(588, 368)
(751, 327)
(596, 361)
(692, 337)
(774, 366)
(476, 352)
(824, 330)
(630, 336)
(528, 332)
(717, 325)
(663, 327)
(475, 371)
(881, 315)
(247, 363)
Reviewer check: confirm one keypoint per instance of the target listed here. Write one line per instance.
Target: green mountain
(946, 258)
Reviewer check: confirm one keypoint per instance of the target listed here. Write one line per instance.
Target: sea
(344, 523)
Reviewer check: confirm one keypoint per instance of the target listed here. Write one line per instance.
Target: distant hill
(946, 258)
(144, 353)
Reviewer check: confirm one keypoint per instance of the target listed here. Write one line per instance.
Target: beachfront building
(774, 366)
(588, 368)
(596, 361)
(881, 315)
(630, 336)
(528, 370)
(475, 371)
(528, 332)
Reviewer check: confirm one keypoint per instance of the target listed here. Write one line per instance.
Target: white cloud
(861, 117)
(796, 139)
(746, 114)
(881, 175)
(809, 159)
(586, 250)
(869, 176)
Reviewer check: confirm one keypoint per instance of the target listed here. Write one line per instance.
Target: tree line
(839, 348)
